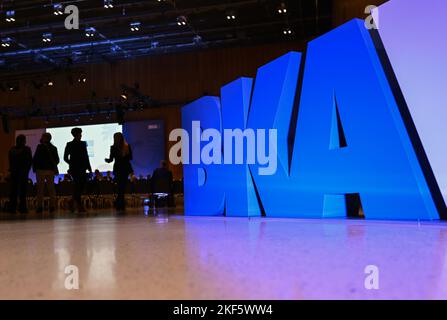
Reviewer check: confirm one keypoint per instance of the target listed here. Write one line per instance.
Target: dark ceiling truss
(207, 26)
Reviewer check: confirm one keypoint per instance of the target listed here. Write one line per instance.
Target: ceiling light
(90, 32)
(10, 16)
(135, 26)
(13, 87)
(108, 4)
(182, 21)
(282, 9)
(6, 42)
(57, 9)
(47, 37)
(287, 31)
(231, 16)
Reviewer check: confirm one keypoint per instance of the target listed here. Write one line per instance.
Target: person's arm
(34, 162)
(89, 167)
(36, 157)
(57, 160)
(111, 156)
(29, 160)
(67, 153)
(154, 178)
(11, 160)
(130, 157)
(171, 181)
(130, 153)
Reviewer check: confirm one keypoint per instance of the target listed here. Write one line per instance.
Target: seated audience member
(141, 177)
(98, 176)
(45, 163)
(133, 183)
(162, 181)
(20, 162)
(163, 172)
(109, 176)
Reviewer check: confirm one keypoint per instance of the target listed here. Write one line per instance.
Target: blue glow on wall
(147, 141)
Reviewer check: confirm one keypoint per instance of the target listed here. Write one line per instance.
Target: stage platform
(145, 256)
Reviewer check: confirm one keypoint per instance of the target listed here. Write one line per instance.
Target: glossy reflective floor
(173, 257)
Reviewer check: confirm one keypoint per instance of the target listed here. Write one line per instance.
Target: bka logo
(347, 131)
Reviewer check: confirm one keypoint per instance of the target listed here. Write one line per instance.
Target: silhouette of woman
(121, 153)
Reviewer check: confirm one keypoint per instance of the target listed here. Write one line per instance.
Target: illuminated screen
(99, 138)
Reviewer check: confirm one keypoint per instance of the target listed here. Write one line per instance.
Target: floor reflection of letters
(293, 259)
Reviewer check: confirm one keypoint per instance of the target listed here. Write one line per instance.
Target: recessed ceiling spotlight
(231, 16)
(13, 87)
(287, 31)
(47, 37)
(57, 9)
(282, 9)
(10, 16)
(6, 42)
(182, 21)
(135, 26)
(90, 32)
(108, 4)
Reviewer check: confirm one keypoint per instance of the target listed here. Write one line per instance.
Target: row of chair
(98, 194)
(101, 187)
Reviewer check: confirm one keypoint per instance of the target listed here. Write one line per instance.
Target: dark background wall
(179, 78)
(174, 79)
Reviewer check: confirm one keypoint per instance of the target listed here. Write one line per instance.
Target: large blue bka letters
(343, 146)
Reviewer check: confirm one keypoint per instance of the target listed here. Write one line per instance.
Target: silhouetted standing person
(76, 156)
(20, 161)
(121, 153)
(45, 163)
